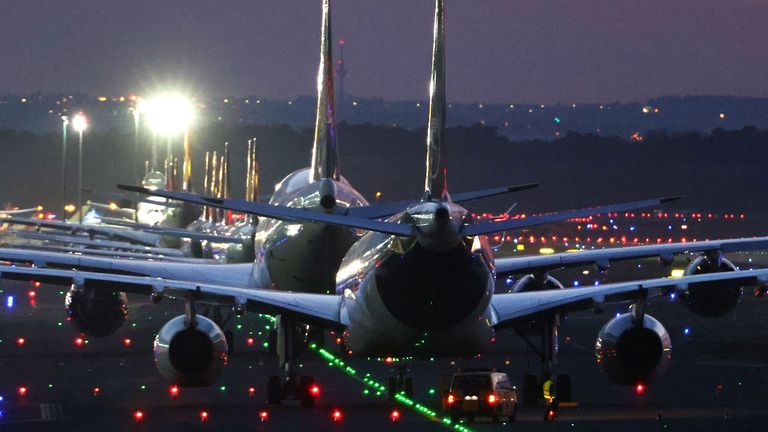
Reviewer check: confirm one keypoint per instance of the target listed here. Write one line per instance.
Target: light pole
(79, 124)
(64, 123)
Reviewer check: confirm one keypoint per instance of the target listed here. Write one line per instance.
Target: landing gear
(400, 383)
(288, 341)
(552, 387)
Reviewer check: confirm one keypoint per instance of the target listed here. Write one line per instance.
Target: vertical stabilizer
(214, 183)
(248, 171)
(252, 177)
(207, 183)
(186, 183)
(435, 185)
(225, 185)
(325, 163)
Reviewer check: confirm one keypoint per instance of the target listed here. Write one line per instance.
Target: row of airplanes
(403, 279)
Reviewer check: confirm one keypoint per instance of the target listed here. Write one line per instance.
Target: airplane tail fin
(252, 176)
(435, 184)
(226, 185)
(325, 162)
(186, 182)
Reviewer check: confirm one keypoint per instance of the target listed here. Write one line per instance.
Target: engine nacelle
(629, 354)
(96, 312)
(710, 299)
(532, 283)
(190, 356)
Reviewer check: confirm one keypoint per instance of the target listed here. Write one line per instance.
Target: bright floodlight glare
(168, 114)
(79, 122)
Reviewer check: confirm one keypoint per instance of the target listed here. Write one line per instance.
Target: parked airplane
(419, 283)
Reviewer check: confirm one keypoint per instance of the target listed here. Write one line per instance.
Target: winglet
(325, 163)
(435, 184)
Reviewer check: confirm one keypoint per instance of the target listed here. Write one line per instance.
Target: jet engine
(630, 354)
(191, 355)
(533, 283)
(710, 299)
(96, 311)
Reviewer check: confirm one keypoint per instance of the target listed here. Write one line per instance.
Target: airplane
(420, 282)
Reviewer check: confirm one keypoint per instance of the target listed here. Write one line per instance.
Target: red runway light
(251, 391)
(203, 416)
(263, 415)
(32, 294)
(96, 391)
(22, 391)
(394, 415)
(20, 341)
(451, 399)
(138, 416)
(314, 390)
(79, 341)
(640, 389)
(173, 390)
(250, 341)
(127, 342)
(36, 284)
(336, 415)
(388, 360)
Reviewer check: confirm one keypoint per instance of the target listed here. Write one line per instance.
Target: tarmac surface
(717, 379)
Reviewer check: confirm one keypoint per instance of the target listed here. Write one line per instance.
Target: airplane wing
(147, 235)
(110, 253)
(92, 230)
(177, 232)
(29, 211)
(105, 244)
(510, 224)
(234, 275)
(513, 307)
(603, 257)
(318, 309)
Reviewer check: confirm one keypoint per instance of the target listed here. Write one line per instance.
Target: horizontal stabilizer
(280, 212)
(381, 210)
(511, 224)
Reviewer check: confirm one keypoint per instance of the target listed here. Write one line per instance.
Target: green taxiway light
(380, 388)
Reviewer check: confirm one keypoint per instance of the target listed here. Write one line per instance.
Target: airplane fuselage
(304, 257)
(421, 296)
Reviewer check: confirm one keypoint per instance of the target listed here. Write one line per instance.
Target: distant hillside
(722, 171)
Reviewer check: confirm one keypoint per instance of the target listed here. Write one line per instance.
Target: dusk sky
(532, 51)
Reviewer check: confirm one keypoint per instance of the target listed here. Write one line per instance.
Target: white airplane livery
(420, 282)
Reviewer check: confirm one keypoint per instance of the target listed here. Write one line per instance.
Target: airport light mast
(170, 115)
(80, 124)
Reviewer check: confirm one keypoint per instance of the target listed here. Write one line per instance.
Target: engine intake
(95, 311)
(191, 356)
(630, 354)
(710, 299)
